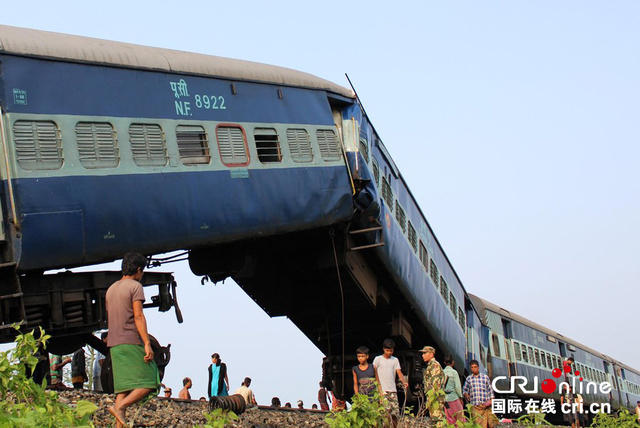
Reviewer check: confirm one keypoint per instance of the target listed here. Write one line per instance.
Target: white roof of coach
(65, 47)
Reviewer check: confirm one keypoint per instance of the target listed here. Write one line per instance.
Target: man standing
(246, 392)
(135, 374)
(56, 364)
(184, 392)
(97, 365)
(388, 367)
(478, 392)
(78, 369)
(433, 378)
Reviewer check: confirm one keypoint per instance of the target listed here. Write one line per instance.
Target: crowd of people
(135, 374)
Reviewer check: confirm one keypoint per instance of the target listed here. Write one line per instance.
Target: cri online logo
(548, 386)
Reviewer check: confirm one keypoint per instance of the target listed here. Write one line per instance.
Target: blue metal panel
(415, 286)
(154, 212)
(49, 87)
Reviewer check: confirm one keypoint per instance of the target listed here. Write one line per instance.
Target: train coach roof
(482, 305)
(65, 47)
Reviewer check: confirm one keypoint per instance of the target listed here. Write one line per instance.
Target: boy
(364, 374)
(388, 367)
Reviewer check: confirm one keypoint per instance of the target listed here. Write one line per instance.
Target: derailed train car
(270, 176)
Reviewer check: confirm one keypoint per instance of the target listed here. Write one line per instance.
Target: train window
(97, 145)
(232, 144)
(387, 193)
(483, 356)
(364, 149)
(148, 144)
(193, 145)
(267, 145)
(444, 290)
(434, 273)
(543, 360)
(38, 144)
(549, 362)
(516, 347)
(496, 345)
(461, 318)
(413, 238)
(376, 171)
(401, 217)
(524, 354)
(424, 257)
(532, 358)
(537, 355)
(453, 304)
(299, 145)
(329, 146)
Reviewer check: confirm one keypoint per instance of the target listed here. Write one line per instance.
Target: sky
(515, 124)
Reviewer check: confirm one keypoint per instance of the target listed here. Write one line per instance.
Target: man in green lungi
(135, 374)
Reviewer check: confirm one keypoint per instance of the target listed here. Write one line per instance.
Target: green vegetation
(533, 419)
(23, 403)
(219, 418)
(365, 412)
(623, 420)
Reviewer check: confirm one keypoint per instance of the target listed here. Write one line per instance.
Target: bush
(623, 420)
(365, 412)
(27, 404)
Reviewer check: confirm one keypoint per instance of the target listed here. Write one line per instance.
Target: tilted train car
(268, 175)
(520, 347)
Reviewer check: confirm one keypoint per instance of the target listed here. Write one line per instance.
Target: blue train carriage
(520, 347)
(109, 147)
(439, 311)
(626, 384)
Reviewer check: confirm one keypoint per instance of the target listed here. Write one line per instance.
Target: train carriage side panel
(185, 205)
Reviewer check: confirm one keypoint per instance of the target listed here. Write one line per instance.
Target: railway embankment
(174, 413)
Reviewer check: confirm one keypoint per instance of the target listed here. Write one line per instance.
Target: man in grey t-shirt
(388, 367)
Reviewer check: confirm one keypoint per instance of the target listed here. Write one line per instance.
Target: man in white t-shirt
(388, 367)
(246, 393)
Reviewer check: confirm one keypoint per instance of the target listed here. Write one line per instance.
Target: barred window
(267, 145)
(525, 358)
(401, 217)
(531, 356)
(424, 257)
(376, 171)
(387, 193)
(97, 145)
(543, 359)
(232, 144)
(329, 146)
(38, 145)
(444, 290)
(537, 354)
(193, 145)
(364, 149)
(413, 238)
(549, 362)
(461, 318)
(453, 304)
(299, 145)
(496, 345)
(516, 347)
(148, 144)
(434, 273)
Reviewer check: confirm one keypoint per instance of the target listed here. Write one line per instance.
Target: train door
(508, 346)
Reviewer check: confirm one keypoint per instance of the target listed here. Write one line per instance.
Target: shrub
(27, 404)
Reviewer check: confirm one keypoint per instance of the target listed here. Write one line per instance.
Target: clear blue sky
(514, 123)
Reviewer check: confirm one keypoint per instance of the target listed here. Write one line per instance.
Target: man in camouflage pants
(433, 380)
